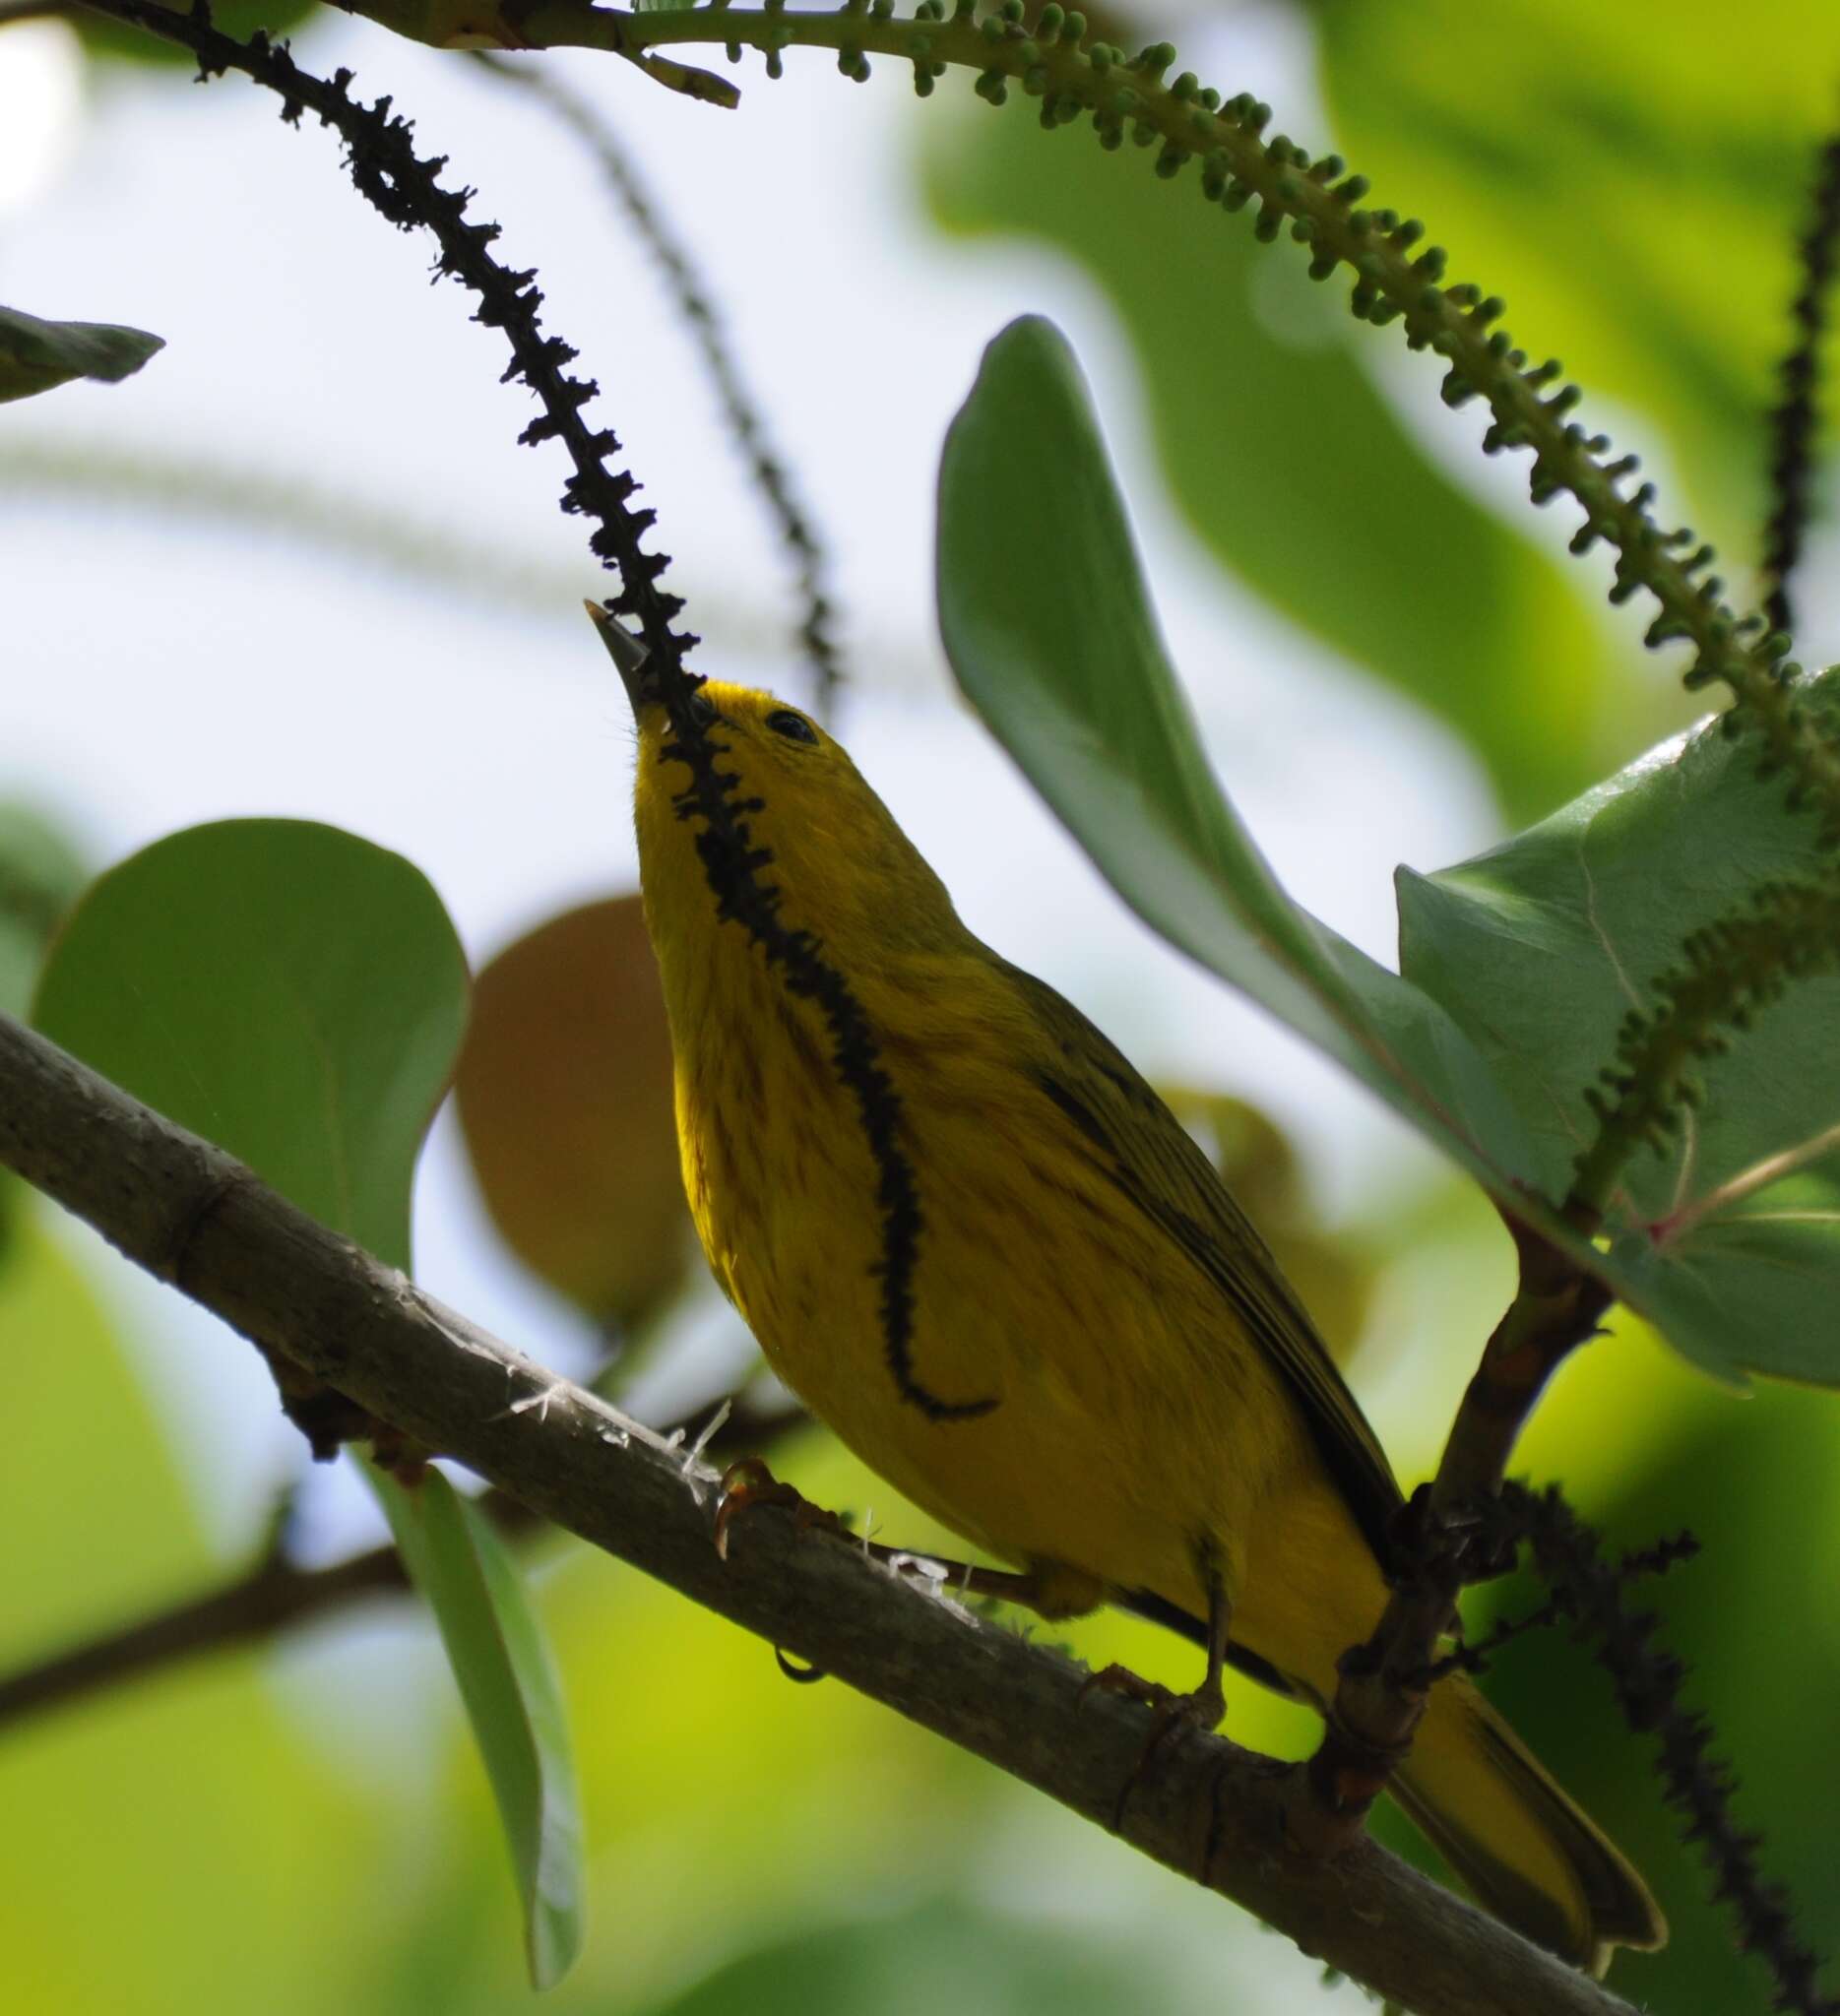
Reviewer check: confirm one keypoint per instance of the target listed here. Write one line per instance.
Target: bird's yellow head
(844, 867)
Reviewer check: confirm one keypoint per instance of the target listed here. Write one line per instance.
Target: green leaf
(945, 1953)
(36, 355)
(41, 875)
(1290, 463)
(1047, 623)
(513, 1698)
(1730, 1241)
(1517, 969)
(298, 996)
(287, 990)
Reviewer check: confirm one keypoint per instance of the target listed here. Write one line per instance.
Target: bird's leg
(1204, 1707)
(1177, 1713)
(1208, 1703)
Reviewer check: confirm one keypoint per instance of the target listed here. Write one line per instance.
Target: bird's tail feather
(1488, 1807)
(1485, 1803)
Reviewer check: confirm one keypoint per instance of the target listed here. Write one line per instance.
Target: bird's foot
(1174, 1718)
(749, 1483)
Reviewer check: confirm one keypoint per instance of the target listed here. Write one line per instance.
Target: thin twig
(738, 406)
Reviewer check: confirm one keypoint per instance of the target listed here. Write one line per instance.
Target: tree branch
(1385, 1682)
(192, 1216)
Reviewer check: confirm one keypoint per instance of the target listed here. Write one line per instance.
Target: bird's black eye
(793, 726)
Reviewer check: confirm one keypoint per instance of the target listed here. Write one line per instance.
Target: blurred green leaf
(159, 1838)
(1334, 1274)
(41, 875)
(1541, 947)
(1047, 623)
(1290, 461)
(1751, 1617)
(297, 995)
(514, 1699)
(86, 1421)
(290, 991)
(943, 1955)
(1634, 195)
(36, 355)
(115, 39)
(566, 1103)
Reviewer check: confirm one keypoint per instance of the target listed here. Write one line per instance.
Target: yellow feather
(1153, 1393)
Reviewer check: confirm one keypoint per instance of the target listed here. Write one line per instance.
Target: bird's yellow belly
(1117, 1443)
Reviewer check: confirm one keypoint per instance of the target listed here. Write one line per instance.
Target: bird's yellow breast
(1100, 1372)
(1116, 1383)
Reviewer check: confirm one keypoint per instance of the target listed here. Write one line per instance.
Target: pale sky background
(162, 673)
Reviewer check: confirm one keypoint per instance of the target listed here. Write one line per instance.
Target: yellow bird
(1107, 1381)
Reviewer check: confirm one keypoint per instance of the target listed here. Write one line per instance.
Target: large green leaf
(36, 355)
(162, 1832)
(1633, 192)
(1517, 970)
(1731, 1241)
(1049, 626)
(509, 1683)
(299, 997)
(290, 991)
(1290, 463)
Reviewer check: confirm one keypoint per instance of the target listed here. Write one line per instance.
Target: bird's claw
(1174, 1716)
(749, 1483)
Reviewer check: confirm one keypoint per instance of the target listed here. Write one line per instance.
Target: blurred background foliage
(305, 1824)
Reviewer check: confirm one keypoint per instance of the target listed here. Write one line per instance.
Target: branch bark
(195, 1218)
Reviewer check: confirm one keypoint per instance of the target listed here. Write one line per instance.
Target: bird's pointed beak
(630, 658)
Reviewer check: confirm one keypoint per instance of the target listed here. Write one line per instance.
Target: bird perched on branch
(975, 1242)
